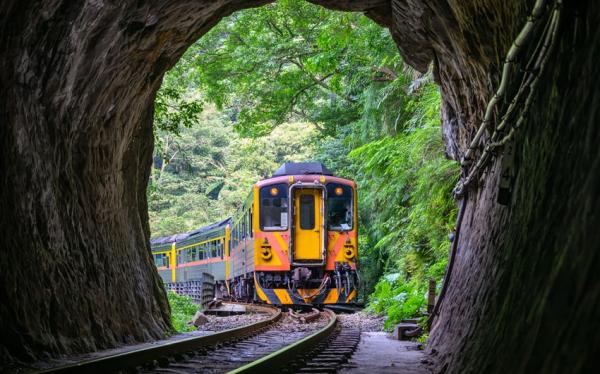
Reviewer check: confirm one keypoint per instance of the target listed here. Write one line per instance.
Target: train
(294, 241)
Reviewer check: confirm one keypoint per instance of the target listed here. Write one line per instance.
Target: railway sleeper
(320, 369)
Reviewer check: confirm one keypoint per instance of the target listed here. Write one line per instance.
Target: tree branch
(384, 74)
(321, 81)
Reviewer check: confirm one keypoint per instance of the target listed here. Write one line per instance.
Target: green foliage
(173, 108)
(299, 82)
(182, 311)
(406, 206)
(290, 60)
(399, 299)
(204, 173)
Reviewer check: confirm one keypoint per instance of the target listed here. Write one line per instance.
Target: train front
(305, 245)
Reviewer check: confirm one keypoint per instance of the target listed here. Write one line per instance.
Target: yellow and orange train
(293, 242)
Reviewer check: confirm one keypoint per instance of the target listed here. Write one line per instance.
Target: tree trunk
(78, 83)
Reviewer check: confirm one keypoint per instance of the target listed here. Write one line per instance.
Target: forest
(292, 81)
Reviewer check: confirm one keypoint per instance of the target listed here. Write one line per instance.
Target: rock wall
(524, 294)
(78, 82)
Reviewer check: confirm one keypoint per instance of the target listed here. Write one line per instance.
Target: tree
(290, 61)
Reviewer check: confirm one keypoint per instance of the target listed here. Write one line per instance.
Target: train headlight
(265, 251)
(349, 252)
(266, 254)
(274, 191)
(339, 191)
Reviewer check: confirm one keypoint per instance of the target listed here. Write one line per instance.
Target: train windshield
(274, 207)
(339, 207)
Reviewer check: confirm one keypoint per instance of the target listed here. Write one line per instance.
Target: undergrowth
(182, 311)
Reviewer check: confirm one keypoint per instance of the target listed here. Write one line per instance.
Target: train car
(294, 241)
(186, 257)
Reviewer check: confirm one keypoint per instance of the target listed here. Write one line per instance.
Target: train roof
(301, 168)
(183, 236)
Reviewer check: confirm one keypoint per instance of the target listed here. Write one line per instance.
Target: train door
(308, 225)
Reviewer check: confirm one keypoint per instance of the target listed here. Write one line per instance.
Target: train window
(161, 260)
(339, 207)
(214, 248)
(247, 226)
(274, 207)
(307, 212)
(251, 234)
(243, 228)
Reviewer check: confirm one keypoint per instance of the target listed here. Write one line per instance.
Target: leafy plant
(183, 310)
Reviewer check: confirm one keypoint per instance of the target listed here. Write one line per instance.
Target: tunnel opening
(79, 82)
(294, 82)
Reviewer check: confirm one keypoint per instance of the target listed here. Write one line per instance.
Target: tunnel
(78, 84)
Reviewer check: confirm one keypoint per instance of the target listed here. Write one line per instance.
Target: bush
(397, 298)
(182, 311)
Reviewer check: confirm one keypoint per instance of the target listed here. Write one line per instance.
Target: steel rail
(142, 356)
(282, 358)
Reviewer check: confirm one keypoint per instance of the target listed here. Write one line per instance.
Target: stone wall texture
(78, 82)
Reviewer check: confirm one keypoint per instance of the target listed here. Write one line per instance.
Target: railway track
(265, 346)
(324, 351)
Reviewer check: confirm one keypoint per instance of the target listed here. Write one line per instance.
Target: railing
(201, 291)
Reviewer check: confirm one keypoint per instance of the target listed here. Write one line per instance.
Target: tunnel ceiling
(78, 83)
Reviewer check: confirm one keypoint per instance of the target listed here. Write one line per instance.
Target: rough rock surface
(78, 81)
(199, 319)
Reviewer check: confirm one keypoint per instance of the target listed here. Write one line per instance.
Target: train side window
(250, 231)
(248, 224)
(273, 210)
(243, 228)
